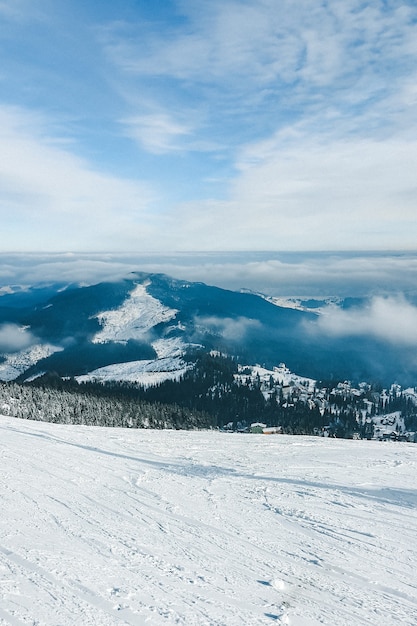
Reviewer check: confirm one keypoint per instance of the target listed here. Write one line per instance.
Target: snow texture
(168, 366)
(146, 373)
(280, 375)
(138, 314)
(17, 363)
(112, 527)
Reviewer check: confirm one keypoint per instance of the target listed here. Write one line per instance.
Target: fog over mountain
(75, 329)
(317, 274)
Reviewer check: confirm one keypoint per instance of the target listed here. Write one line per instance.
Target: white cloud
(389, 319)
(28, 269)
(14, 338)
(293, 274)
(308, 195)
(264, 43)
(51, 198)
(330, 87)
(231, 329)
(157, 133)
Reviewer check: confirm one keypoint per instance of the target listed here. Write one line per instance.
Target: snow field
(110, 526)
(134, 318)
(16, 363)
(147, 373)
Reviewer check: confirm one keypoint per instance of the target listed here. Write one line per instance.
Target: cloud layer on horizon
(277, 274)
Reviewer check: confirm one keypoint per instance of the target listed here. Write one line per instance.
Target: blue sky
(194, 125)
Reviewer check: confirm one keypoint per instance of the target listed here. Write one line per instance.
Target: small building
(257, 427)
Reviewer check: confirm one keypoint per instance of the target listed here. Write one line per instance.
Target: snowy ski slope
(104, 527)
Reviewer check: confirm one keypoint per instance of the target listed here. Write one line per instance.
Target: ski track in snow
(106, 526)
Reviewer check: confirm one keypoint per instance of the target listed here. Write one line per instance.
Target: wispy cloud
(157, 133)
(314, 103)
(46, 185)
(295, 123)
(337, 51)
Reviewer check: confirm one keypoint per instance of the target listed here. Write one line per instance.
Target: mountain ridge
(149, 317)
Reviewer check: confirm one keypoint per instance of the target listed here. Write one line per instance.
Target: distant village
(364, 411)
(219, 393)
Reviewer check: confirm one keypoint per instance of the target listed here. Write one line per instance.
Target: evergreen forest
(209, 395)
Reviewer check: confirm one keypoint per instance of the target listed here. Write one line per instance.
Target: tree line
(209, 395)
(69, 404)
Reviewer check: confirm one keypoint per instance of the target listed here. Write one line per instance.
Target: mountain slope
(157, 319)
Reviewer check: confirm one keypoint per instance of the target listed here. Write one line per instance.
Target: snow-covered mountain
(148, 327)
